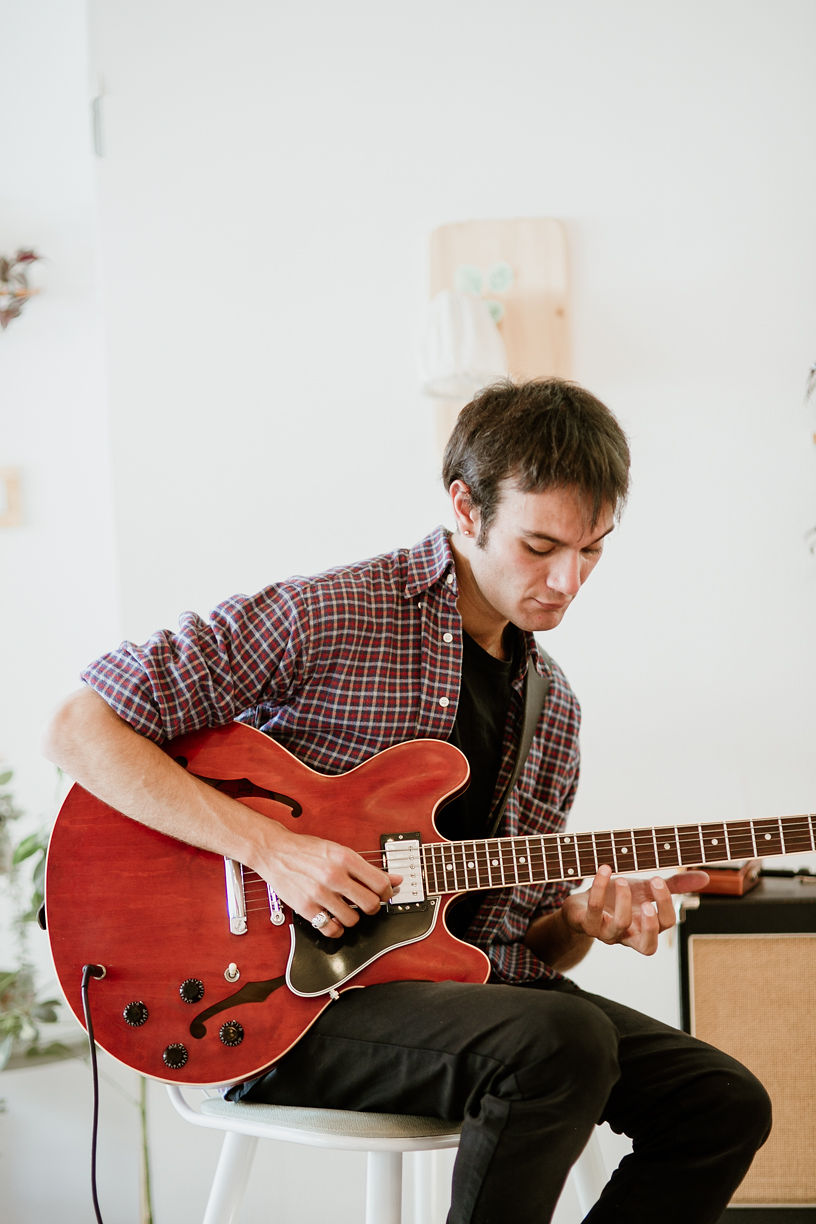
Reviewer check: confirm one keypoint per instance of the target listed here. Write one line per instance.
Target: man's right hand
(316, 876)
(136, 777)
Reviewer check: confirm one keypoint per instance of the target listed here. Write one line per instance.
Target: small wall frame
(11, 501)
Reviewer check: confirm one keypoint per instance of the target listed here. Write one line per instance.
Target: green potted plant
(22, 1012)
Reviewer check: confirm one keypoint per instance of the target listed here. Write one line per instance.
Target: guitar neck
(504, 862)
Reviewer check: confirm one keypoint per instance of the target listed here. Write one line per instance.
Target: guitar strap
(536, 688)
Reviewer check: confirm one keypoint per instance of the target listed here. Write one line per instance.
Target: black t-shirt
(478, 732)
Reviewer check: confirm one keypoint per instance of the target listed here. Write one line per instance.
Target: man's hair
(544, 434)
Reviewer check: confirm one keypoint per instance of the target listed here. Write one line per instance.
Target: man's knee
(565, 1044)
(731, 1107)
(748, 1105)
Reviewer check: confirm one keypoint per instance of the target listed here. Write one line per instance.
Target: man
(435, 641)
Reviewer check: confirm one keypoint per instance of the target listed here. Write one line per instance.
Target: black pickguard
(319, 965)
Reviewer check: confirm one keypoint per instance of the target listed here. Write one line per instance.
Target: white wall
(56, 570)
(270, 178)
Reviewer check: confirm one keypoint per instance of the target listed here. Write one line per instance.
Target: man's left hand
(627, 911)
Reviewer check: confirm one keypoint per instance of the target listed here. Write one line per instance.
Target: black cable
(88, 972)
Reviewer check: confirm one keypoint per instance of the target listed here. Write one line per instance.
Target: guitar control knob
(231, 1033)
(175, 1056)
(135, 1014)
(192, 990)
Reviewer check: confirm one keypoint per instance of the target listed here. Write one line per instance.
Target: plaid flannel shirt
(339, 666)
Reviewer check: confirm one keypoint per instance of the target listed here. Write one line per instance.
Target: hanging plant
(14, 287)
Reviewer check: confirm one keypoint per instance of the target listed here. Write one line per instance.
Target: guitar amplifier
(748, 986)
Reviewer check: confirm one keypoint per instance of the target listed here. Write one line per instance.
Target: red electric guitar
(208, 979)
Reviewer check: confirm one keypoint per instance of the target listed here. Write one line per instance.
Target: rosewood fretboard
(501, 862)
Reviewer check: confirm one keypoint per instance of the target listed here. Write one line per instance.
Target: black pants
(530, 1071)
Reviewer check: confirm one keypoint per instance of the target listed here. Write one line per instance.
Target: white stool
(385, 1137)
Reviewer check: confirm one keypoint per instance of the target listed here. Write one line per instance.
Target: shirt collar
(428, 562)
(431, 561)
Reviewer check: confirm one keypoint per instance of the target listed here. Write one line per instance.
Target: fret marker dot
(567, 841)
(449, 866)
(767, 837)
(471, 863)
(714, 841)
(624, 850)
(666, 846)
(570, 871)
(494, 862)
(522, 859)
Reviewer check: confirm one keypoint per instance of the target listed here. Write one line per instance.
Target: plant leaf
(28, 846)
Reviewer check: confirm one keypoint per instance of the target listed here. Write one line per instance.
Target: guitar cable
(88, 972)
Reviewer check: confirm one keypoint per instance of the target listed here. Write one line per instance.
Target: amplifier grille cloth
(754, 996)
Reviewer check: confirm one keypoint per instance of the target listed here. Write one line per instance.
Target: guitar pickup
(402, 855)
(236, 899)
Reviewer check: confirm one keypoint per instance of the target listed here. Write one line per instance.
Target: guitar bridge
(402, 855)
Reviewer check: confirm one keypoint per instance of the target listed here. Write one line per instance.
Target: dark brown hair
(543, 434)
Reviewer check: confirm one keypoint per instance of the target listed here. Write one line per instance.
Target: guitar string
(641, 840)
(255, 885)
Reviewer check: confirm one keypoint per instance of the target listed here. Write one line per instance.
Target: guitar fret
(429, 868)
(442, 875)
(461, 865)
(495, 863)
(623, 850)
(521, 854)
(645, 857)
(741, 841)
(538, 864)
(690, 842)
(449, 868)
(587, 858)
(469, 866)
(605, 850)
(552, 856)
(668, 847)
(482, 864)
(560, 875)
(768, 835)
(714, 843)
(569, 857)
(798, 835)
(508, 861)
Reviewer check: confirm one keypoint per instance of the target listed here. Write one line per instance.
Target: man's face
(539, 551)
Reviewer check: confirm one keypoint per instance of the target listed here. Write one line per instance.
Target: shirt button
(444, 702)
(447, 637)
(449, 579)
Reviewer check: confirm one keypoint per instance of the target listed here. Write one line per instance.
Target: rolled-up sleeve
(209, 671)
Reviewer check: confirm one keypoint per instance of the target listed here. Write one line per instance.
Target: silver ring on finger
(320, 920)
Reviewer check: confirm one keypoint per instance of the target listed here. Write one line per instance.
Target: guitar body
(183, 998)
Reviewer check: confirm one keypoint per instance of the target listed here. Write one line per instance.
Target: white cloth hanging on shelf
(462, 349)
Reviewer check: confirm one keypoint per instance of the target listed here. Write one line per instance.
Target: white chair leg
(589, 1175)
(231, 1178)
(384, 1188)
(431, 1186)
